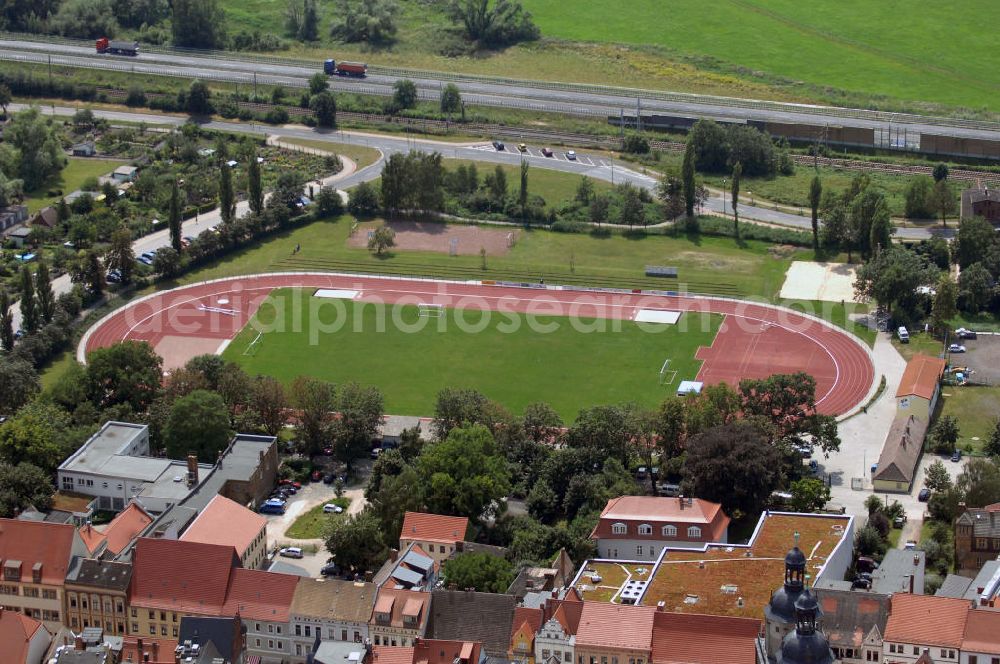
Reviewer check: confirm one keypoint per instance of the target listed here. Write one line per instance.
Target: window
(694, 531)
(104, 485)
(357, 639)
(973, 659)
(173, 617)
(258, 643)
(72, 601)
(277, 628)
(916, 651)
(343, 635)
(638, 550)
(256, 627)
(74, 624)
(618, 529)
(567, 657)
(152, 630)
(174, 630)
(669, 531)
(645, 529)
(298, 649)
(135, 627)
(270, 629)
(33, 592)
(270, 644)
(163, 630)
(8, 590)
(152, 615)
(298, 630)
(308, 630)
(135, 612)
(281, 645)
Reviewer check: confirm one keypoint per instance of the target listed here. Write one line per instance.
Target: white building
(325, 610)
(115, 467)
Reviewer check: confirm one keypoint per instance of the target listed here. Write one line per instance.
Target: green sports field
(514, 364)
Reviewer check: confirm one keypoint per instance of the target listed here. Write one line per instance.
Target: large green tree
(198, 424)
(360, 409)
(315, 399)
(815, 198)
(451, 99)
(199, 23)
(120, 257)
(945, 305)
(21, 486)
(324, 108)
(892, 277)
(174, 216)
(227, 196)
(129, 372)
(37, 151)
(464, 475)
(974, 239)
(254, 187)
(735, 191)
(43, 292)
(484, 572)
(40, 434)
(734, 465)
(18, 384)
(30, 320)
(372, 21)
(356, 542)
(6, 322)
(688, 178)
(493, 23)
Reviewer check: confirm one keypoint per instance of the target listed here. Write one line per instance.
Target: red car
(287, 482)
(316, 476)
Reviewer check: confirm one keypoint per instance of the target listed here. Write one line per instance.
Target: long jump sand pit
(176, 350)
(829, 282)
(437, 236)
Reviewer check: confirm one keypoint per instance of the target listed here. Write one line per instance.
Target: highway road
(599, 167)
(531, 95)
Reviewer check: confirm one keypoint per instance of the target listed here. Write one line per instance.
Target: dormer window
(382, 618)
(645, 529)
(669, 531)
(694, 531)
(618, 529)
(12, 570)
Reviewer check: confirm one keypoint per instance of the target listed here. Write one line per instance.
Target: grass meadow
(513, 359)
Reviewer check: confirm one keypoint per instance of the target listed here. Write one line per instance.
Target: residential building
(19, 235)
(393, 426)
(23, 640)
(919, 622)
(206, 640)
(262, 600)
(640, 527)
(977, 538)
(526, 624)
(920, 386)
(399, 616)
(699, 639)
(124, 173)
(423, 651)
(172, 579)
(136, 650)
(96, 595)
(12, 215)
(411, 570)
(89, 647)
(901, 570)
(35, 558)
(555, 639)
(47, 217)
(981, 201)
(117, 535)
(84, 149)
(614, 634)
(901, 452)
(537, 579)
(981, 639)
(435, 534)
(226, 522)
(467, 614)
(339, 652)
(329, 610)
(854, 623)
(115, 467)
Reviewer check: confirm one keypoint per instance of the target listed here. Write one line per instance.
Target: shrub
(276, 116)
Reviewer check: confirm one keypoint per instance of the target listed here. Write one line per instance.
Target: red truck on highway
(331, 67)
(117, 46)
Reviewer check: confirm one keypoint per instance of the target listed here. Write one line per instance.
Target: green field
(976, 407)
(413, 356)
(77, 171)
(359, 154)
(310, 525)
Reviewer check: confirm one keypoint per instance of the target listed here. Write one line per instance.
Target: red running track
(754, 341)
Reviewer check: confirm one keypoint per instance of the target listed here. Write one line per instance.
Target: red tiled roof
(181, 576)
(392, 655)
(92, 538)
(525, 614)
(396, 602)
(657, 512)
(927, 620)
(126, 527)
(16, 632)
(259, 595)
(921, 377)
(433, 527)
(32, 542)
(439, 651)
(699, 639)
(604, 625)
(163, 649)
(224, 521)
(982, 632)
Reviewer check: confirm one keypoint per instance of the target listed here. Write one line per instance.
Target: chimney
(192, 463)
(78, 643)
(680, 500)
(739, 602)
(393, 554)
(661, 606)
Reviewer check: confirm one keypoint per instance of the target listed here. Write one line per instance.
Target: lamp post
(724, 184)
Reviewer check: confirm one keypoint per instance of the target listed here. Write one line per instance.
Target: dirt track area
(829, 282)
(435, 236)
(983, 356)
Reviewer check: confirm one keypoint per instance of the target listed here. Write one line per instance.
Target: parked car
(956, 456)
(924, 495)
(956, 348)
(805, 450)
(814, 466)
(328, 478)
(963, 333)
(114, 276)
(272, 507)
(375, 452)
(288, 482)
(330, 569)
(330, 508)
(316, 476)
(327, 451)
(571, 155)
(522, 147)
(188, 239)
(498, 146)
(546, 152)
(668, 490)
(291, 552)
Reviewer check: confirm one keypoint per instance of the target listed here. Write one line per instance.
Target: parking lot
(982, 355)
(536, 152)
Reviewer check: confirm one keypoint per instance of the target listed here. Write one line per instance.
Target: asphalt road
(598, 167)
(541, 96)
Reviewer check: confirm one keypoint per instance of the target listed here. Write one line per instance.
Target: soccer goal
(430, 310)
(667, 375)
(251, 350)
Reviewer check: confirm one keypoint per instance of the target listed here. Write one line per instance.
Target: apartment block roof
(32, 545)
(655, 508)
(471, 615)
(701, 639)
(259, 595)
(921, 377)
(633, 626)
(334, 599)
(433, 527)
(181, 576)
(224, 521)
(927, 620)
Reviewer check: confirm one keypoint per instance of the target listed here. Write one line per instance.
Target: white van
(904, 335)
